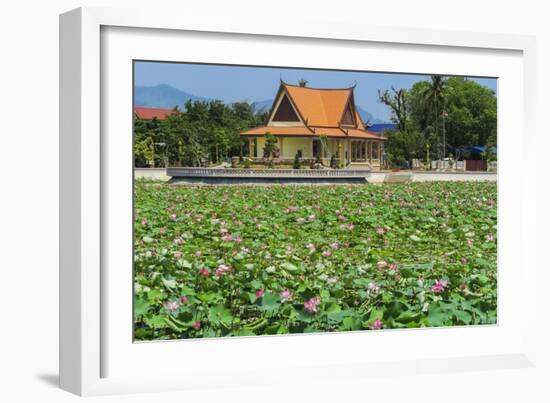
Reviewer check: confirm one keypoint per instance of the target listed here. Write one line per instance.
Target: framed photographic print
(243, 199)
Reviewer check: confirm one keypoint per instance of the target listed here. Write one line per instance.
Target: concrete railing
(267, 173)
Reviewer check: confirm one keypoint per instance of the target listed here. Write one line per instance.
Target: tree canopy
(444, 113)
(206, 132)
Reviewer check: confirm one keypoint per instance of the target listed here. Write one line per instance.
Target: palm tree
(434, 100)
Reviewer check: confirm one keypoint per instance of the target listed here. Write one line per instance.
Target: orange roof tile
(319, 107)
(321, 111)
(364, 134)
(150, 113)
(278, 131)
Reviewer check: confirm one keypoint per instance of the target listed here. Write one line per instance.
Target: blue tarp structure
(380, 127)
(476, 149)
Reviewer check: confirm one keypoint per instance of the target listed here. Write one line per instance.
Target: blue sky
(253, 84)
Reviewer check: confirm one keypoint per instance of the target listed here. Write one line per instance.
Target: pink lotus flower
(144, 221)
(267, 256)
(171, 306)
(342, 218)
(184, 300)
(397, 277)
(197, 325)
(300, 220)
(470, 242)
(327, 253)
(440, 286)
(204, 272)
(311, 218)
(227, 237)
(259, 293)
(178, 241)
(381, 264)
(347, 226)
(177, 254)
(224, 230)
(380, 231)
(463, 260)
(311, 305)
(173, 217)
(335, 245)
(198, 253)
(490, 237)
(222, 270)
(286, 295)
(162, 231)
(376, 325)
(311, 247)
(373, 289)
(291, 210)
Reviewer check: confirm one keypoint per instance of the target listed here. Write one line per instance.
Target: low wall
(432, 176)
(153, 173)
(321, 176)
(266, 173)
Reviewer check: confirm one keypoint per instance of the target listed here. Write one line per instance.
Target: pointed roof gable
(285, 111)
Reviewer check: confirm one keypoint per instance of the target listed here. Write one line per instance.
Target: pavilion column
(251, 147)
(370, 151)
(281, 147)
(365, 150)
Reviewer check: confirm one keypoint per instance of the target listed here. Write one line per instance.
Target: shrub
(333, 162)
(296, 164)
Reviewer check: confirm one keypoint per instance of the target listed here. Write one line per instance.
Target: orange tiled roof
(319, 107)
(364, 134)
(150, 113)
(278, 131)
(322, 111)
(303, 131)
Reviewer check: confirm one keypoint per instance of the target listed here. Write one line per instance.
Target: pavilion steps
(361, 165)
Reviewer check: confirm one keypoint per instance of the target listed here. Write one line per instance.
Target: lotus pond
(213, 261)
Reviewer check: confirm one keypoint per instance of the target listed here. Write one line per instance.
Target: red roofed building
(301, 115)
(147, 113)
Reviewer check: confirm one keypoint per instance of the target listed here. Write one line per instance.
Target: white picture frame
(90, 340)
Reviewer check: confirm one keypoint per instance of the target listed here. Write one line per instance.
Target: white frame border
(80, 257)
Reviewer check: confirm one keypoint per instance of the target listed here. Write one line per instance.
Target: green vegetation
(442, 113)
(206, 132)
(297, 164)
(247, 260)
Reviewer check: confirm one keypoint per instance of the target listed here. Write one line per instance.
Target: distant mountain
(263, 106)
(366, 116)
(166, 96)
(163, 96)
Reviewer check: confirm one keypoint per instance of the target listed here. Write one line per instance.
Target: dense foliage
(206, 132)
(244, 260)
(443, 113)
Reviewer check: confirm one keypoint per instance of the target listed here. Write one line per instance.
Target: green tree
(296, 164)
(434, 101)
(270, 144)
(396, 100)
